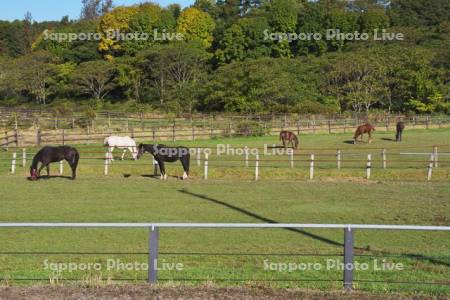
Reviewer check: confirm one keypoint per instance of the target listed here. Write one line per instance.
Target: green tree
(94, 78)
(196, 25)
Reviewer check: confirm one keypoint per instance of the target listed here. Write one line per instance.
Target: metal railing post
(348, 259)
(153, 254)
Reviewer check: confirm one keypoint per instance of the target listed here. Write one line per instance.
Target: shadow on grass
(261, 218)
(377, 253)
(388, 139)
(48, 177)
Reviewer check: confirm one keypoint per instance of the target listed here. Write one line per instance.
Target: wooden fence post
(383, 158)
(38, 137)
(193, 132)
(205, 171)
(311, 168)
(338, 155)
(435, 156)
(24, 157)
(198, 154)
(427, 122)
(246, 156)
(63, 136)
(153, 134)
(430, 167)
(329, 126)
(16, 137)
(6, 141)
(257, 167)
(173, 131)
(132, 132)
(345, 126)
(106, 164)
(13, 163)
(368, 166)
(291, 158)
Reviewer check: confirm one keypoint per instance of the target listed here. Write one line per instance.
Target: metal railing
(153, 251)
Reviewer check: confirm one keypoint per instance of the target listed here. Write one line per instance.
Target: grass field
(397, 195)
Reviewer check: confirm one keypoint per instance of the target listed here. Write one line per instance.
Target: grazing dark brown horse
(48, 154)
(400, 128)
(289, 137)
(361, 130)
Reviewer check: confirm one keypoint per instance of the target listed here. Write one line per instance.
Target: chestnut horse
(289, 137)
(361, 130)
(400, 128)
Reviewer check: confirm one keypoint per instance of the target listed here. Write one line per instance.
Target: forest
(229, 56)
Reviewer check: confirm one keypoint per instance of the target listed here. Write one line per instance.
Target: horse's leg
(162, 169)
(111, 157)
(48, 170)
(370, 137)
(284, 143)
(185, 162)
(73, 163)
(123, 153)
(40, 169)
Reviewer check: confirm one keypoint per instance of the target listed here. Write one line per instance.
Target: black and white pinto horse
(48, 155)
(163, 153)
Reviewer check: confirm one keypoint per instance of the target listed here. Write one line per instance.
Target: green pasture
(398, 195)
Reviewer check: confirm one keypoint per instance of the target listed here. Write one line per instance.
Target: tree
(196, 25)
(356, 80)
(173, 70)
(35, 75)
(131, 77)
(95, 78)
(283, 19)
(419, 12)
(92, 9)
(116, 20)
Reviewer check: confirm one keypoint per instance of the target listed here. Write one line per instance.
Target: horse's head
(140, 151)
(33, 174)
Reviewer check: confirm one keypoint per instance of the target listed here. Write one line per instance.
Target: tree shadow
(260, 218)
(360, 250)
(349, 142)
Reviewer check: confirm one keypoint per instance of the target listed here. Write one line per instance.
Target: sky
(54, 10)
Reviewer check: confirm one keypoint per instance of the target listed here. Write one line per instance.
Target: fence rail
(153, 238)
(34, 133)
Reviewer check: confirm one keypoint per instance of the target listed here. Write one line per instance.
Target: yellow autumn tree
(116, 20)
(195, 24)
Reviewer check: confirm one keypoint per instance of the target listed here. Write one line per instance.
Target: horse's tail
(105, 142)
(281, 135)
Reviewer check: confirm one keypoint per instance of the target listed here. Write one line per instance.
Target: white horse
(121, 142)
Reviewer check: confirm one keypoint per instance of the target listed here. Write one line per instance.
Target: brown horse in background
(289, 137)
(361, 130)
(400, 128)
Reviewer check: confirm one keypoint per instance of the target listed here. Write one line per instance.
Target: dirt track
(148, 292)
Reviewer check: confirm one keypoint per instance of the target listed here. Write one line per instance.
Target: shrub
(251, 128)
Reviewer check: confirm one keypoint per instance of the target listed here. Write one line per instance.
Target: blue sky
(55, 9)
